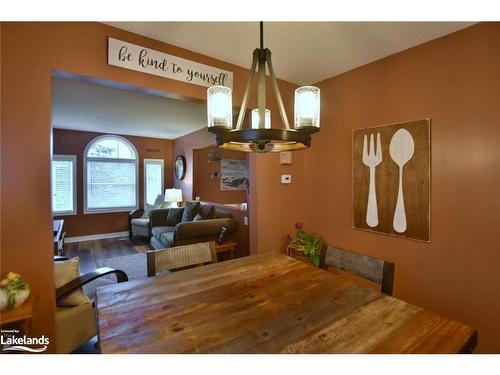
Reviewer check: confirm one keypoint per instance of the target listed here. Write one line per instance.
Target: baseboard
(92, 237)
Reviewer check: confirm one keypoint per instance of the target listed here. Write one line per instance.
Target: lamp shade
(219, 107)
(255, 119)
(173, 195)
(307, 103)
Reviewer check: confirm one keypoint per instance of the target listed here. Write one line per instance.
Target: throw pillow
(207, 212)
(174, 216)
(190, 211)
(65, 272)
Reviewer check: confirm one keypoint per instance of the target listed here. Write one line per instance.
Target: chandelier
(261, 137)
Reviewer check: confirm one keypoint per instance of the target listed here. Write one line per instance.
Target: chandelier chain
(261, 35)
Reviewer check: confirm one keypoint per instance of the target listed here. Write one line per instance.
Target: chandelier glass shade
(219, 107)
(260, 137)
(256, 120)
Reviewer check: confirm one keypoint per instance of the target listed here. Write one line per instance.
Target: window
(110, 175)
(64, 185)
(153, 180)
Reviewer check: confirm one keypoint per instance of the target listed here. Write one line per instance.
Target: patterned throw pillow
(190, 211)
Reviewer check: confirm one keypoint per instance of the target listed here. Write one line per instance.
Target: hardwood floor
(91, 251)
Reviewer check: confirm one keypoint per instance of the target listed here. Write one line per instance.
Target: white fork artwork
(371, 159)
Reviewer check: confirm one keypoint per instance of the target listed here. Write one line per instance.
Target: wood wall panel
(415, 181)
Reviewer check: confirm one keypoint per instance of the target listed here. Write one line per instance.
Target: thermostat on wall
(286, 179)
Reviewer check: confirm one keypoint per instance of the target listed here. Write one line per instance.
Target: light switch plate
(286, 179)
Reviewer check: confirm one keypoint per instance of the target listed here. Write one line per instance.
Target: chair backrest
(373, 269)
(180, 256)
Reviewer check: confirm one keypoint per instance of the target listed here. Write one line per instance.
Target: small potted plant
(310, 244)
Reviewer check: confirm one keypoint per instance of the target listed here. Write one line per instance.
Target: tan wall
(207, 188)
(454, 80)
(69, 142)
(30, 51)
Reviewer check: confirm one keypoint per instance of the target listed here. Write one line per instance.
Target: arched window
(110, 175)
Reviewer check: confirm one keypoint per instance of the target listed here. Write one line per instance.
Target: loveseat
(186, 225)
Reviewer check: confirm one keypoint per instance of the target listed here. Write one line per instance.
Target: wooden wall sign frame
(391, 179)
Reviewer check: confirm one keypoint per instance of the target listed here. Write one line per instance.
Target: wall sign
(391, 179)
(146, 60)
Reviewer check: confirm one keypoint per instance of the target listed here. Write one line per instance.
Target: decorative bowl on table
(13, 291)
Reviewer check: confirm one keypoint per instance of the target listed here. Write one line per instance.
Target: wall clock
(180, 167)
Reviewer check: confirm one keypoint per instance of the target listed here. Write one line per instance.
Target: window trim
(159, 161)
(92, 211)
(73, 160)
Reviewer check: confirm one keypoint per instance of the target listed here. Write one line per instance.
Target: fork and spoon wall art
(391, 179)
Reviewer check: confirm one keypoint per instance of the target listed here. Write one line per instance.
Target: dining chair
(180, 256)
(377, 270)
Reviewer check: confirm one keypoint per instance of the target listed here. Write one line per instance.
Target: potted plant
(310, 243)
(13, 291)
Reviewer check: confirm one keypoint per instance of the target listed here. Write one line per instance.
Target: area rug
(135, 266)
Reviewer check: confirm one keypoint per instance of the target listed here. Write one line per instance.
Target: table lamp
(174, 196)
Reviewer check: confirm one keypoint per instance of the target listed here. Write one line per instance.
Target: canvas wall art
(234, 174)
(391, 179)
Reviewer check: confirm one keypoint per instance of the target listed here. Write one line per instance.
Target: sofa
(186, 225)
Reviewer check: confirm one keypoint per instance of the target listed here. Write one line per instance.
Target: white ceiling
(303, 52)
(83, 104)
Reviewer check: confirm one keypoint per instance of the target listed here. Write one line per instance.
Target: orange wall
(69, 142)
(30, 51)
(207, 188)
(184, 146)
(454, 80)
(279, 206)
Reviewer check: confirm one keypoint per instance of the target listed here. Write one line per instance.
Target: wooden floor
(90, 252)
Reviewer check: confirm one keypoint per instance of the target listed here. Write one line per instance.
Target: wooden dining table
(268, 303)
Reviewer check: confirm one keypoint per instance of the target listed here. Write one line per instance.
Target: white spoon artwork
(401, 150)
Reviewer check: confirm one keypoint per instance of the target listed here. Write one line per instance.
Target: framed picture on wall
(391, 179)
(234, 174)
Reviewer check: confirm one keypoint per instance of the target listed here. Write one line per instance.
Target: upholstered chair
(75, 314)
(138, 220)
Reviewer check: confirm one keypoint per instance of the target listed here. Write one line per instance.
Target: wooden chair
(180, 257)
(373, 269)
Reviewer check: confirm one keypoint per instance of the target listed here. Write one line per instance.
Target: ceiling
(303, 52)
(90, 105)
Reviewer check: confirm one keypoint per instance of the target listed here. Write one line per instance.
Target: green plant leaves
(312, 243)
